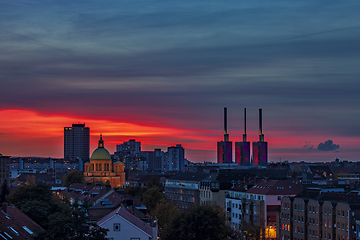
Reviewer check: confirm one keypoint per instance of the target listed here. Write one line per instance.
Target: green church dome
(101, 153)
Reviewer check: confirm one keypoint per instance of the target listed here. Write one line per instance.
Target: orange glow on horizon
(29, 133)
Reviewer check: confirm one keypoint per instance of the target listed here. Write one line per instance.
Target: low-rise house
(101, 200)
(122, 224)
(14, 224)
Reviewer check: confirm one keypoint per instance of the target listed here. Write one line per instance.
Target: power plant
(242, 149)
(260, 148)
(224, 148)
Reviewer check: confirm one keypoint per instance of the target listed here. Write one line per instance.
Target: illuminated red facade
(242, 153)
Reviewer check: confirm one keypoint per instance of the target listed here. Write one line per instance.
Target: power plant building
(224, 148)
(242, 149)
(260, 148)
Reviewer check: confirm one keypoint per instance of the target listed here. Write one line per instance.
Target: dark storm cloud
(328, 146)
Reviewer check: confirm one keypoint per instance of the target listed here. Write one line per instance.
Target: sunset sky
(162, 72)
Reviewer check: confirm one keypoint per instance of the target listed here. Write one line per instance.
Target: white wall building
(124, 225)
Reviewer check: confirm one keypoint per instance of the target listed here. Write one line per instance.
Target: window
(14, 231)
(28, 230)
(116, 227)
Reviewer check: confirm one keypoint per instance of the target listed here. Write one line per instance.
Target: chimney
(244, 135)
(4, 207)
(226, 135)
(261, 135)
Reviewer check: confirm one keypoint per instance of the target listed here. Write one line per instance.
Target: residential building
(320, 214)
(156, 160)
(216, 185)
(76, 142)
(4, 169)
(261, 202)
(234, 205)
(131, 147)
(175, 158)
(122, 224)
(14, 224)
(184, 189)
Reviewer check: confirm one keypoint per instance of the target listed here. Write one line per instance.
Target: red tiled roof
(15, 223)
(122, 212)
(276, 187)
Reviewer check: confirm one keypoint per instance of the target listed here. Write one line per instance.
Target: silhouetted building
(260, 148)
(156, 160)
(76, 142)
(130, 147)
(242, 149)
(224, 148)
(175, 158)
(4, 169)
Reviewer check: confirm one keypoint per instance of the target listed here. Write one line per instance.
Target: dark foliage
(60, 220)
(4, 191)
(199, 222)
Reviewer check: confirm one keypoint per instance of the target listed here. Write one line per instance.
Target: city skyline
(161, 73)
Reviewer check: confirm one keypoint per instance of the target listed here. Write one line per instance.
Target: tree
(59, 220)
(154, 181)
(135, 191)
(30, 180)
(199, 222)
(40, 192)
(164, 212)
(249, 231)
(4, 192)
(151, 198)
(73, 177)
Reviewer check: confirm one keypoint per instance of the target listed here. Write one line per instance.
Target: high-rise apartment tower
(76, 142)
